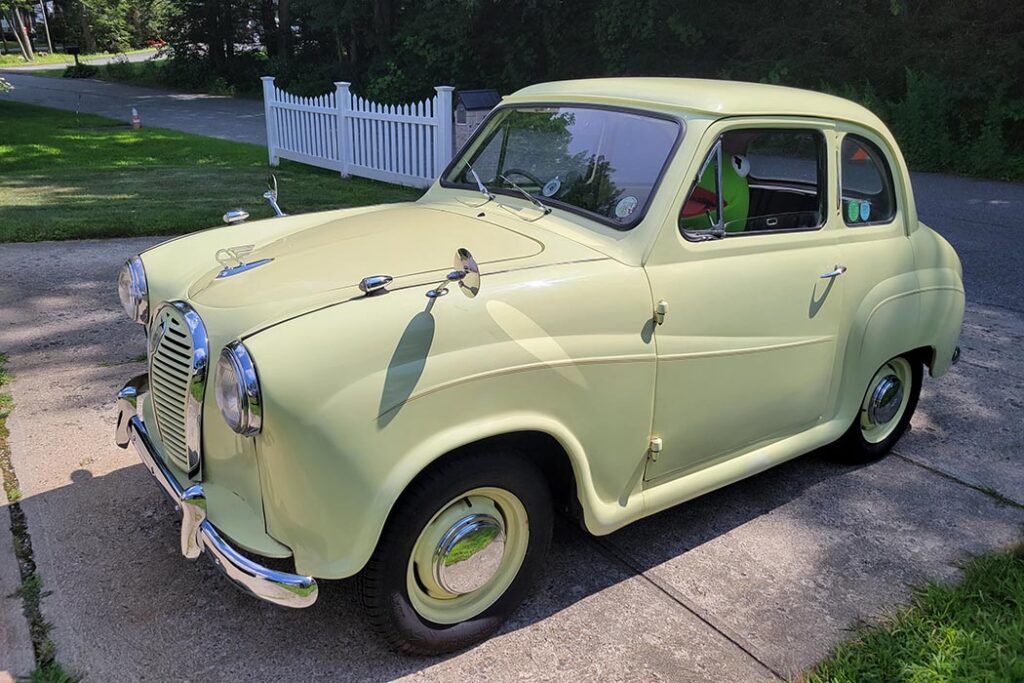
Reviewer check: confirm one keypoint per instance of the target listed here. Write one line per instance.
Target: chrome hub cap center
(885, 400)
(469, 554)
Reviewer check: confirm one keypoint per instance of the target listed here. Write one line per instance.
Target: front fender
(360, 397)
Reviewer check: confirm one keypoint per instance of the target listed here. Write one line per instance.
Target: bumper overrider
(198, 535)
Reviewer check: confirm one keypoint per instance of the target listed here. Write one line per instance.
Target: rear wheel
(459, 553)
(885, 411)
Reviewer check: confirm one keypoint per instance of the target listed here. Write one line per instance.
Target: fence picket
(407, 143)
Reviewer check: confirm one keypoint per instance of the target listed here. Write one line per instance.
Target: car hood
(409, 243)
(322, 259)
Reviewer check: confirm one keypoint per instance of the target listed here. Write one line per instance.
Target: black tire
(852, 448)
(382, 587)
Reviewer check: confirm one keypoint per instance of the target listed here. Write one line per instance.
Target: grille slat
(171, 378)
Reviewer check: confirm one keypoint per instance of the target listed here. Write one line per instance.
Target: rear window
(867, 187)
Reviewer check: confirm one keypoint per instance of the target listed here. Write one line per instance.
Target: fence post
(444, 140)
(268, 114)
(344, 104)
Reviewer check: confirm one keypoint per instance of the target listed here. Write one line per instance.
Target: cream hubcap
(886, 400)
(467, 555)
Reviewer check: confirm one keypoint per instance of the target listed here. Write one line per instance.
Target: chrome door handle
(835, 272)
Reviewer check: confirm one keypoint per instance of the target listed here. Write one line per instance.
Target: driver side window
(763, 180)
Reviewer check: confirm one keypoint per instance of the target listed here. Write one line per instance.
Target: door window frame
(824, 128)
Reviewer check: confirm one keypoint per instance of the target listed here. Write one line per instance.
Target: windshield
(601, 161)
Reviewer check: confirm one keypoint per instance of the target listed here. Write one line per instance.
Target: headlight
(238, 390)
(133, 290)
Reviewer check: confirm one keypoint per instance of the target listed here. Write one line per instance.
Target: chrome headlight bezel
(133, 290)
(237, 390)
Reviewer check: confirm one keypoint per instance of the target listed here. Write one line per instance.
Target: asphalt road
(219, 116)
(753, 582)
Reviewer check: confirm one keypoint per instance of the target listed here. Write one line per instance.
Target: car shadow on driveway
(776, 565)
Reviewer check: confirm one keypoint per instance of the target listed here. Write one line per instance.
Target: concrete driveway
(753, 582)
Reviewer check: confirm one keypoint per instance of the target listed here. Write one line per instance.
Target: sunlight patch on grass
(64, 176)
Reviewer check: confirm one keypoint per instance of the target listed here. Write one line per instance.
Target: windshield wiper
(479, 183)
(533, 200)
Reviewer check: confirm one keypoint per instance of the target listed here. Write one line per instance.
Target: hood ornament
(231, 259)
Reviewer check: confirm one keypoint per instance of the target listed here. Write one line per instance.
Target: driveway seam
(997, 496)
(612, 552)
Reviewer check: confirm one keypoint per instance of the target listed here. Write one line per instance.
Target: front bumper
(197, 533)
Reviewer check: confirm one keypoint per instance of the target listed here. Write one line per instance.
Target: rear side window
(761, 180)
(867, 189)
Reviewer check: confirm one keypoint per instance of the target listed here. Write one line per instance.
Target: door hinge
(654, 449)
(660, 311)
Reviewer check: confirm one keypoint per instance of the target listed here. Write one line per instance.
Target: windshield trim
(555, 203)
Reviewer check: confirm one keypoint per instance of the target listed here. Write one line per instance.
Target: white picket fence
(409, 144)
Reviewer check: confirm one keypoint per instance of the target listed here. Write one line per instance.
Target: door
(753, 284)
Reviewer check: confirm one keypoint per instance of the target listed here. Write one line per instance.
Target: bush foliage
(946, 75)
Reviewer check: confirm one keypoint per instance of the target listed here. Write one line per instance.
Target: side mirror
(465, 272)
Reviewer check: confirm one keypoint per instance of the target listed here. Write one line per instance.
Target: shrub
(81, 71)
(120, 68)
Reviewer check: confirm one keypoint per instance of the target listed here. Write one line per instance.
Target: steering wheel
(526, 174)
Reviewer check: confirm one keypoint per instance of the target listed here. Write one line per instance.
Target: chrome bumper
(197, 533)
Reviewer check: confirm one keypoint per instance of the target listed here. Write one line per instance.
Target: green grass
(67, 176)
(55, 58)
(973, 631)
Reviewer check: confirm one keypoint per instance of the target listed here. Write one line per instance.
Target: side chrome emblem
(231, 259)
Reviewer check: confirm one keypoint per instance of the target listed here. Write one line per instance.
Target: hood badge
(231, 259)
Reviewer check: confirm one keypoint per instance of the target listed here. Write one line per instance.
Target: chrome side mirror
(465, 272)
(236, 216)
(271, 195)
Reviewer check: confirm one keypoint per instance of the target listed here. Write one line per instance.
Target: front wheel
(459, 553)
(885, 411)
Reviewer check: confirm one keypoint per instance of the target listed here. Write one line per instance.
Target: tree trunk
(215, 34)
(17, 35)
(22, 29)
(269, 26)
(382, 18)
(46, 25)
(284, 29)
(228, 31)
(88, 41)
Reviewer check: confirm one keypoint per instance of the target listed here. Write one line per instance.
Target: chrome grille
(177, 379)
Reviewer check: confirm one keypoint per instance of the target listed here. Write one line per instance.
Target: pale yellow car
(620, 295)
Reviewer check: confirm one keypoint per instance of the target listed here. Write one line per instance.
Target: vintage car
(660, 287)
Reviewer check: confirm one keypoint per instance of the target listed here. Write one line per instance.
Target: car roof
(714, 97)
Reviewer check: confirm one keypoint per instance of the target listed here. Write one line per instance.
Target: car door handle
(835, 272)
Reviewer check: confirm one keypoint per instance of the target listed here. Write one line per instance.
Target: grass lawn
(64, 176)
(973, 631)
(55, 58)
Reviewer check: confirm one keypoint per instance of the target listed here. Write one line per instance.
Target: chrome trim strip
(198, 534)
(241, 268)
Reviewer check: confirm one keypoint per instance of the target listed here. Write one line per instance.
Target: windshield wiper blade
(479, 183)
(533, 200)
